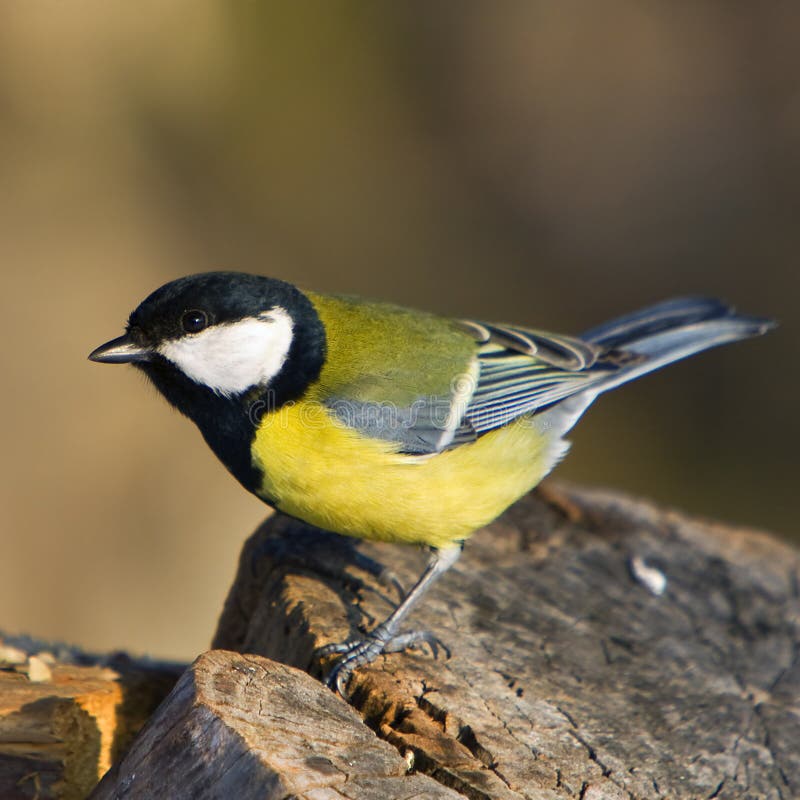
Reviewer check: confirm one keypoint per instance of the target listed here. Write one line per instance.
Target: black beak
(120, 351)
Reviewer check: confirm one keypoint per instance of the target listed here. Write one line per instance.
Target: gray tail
(670, 331)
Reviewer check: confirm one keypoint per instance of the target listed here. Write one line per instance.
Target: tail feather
(668, 314)
(671, 331)
(659, 335)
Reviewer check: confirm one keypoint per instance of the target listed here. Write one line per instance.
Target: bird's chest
(317, 469)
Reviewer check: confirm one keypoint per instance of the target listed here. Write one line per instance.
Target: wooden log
(62, 724)
(600, 648)
(243, 727)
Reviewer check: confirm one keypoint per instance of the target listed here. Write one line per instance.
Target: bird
(388, 423)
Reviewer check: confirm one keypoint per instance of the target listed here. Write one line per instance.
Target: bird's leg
(382, 574)
(385, 637)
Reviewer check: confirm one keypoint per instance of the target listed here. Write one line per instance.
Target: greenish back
(382, 353)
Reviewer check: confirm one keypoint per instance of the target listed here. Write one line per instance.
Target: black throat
(229, 424)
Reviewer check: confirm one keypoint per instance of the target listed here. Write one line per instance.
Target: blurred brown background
(546, 163)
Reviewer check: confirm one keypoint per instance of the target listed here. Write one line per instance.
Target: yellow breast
(325, 473)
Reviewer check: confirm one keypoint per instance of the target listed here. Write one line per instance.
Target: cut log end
(243, 726)
(63, 724)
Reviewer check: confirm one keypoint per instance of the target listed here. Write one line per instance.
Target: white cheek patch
(231, 357)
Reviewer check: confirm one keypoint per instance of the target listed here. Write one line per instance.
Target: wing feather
(523, 370)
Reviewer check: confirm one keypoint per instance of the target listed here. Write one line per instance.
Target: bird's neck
(228, 424)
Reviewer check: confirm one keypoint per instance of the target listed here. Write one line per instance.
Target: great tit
(387, 423)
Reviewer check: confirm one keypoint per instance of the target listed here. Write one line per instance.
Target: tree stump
(601, 647)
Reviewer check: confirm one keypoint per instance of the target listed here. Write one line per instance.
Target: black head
(218, 344)
(220, 297)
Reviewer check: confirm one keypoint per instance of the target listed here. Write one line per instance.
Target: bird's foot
(359, 652)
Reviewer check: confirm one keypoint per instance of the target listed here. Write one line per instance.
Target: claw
(357, 653)
(354, 654)
(340, 678)
(330, 649)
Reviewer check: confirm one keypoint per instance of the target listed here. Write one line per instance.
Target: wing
(524, 370)
(397, 374)
(428, 425)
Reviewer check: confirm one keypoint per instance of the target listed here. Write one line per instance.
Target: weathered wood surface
(569, 677)
(62, 723)
(241, 726)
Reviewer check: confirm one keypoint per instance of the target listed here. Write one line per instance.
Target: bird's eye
(194, 321)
